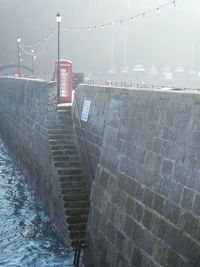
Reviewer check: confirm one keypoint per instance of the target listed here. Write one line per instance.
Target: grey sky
(164, 38)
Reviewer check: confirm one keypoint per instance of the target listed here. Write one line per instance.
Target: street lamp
(58, 20)
(18, 53)
(33, 57)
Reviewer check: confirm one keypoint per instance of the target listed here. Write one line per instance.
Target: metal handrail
(79, 245)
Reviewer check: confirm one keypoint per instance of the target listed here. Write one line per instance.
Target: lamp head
(58, 17)
(18, 40)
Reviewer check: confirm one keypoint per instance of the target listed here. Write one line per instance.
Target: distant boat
(153, 71)
(167, 73)
(112, 69)
(86, 80)
(125, 68)
(139, 68)
(179, 69)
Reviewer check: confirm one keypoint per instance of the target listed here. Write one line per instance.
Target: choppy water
(27, 237)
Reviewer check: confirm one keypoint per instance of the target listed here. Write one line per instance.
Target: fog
(169, 37)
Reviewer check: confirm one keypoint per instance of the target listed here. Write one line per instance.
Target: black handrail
(79, 246)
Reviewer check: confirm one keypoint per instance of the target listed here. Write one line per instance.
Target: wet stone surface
(27, 237)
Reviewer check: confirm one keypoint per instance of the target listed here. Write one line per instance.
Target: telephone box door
(65, 81)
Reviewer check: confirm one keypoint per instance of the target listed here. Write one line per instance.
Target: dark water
(27, 237)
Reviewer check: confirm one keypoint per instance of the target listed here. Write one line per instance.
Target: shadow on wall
(144, 148)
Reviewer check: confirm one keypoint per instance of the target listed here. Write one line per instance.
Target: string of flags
(101, 26)
(44, 39)
(121, 21)
(26, 52)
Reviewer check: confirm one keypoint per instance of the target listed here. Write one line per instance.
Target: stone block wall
(90, 134)
(25, 107)
(145, 192)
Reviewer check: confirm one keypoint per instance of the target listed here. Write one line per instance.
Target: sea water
(27, 237)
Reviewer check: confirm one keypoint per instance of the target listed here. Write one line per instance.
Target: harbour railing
(132, 85)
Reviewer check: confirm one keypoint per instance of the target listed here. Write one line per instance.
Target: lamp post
(18, 53)
(58, 20)
(33, 57)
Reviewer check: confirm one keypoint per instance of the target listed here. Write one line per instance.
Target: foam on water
(27, 237)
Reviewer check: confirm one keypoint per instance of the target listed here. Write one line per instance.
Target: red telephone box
(65, 80)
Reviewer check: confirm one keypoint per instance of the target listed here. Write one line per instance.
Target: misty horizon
(160, 39)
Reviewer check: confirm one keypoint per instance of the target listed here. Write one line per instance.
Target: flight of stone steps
(66, 160)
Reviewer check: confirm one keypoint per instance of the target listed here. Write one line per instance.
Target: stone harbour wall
(144, 153)
(25, 107)
(90, 134)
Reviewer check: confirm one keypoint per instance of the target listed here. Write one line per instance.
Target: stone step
(68, 110)
(73, 184)
(75, 171)
(61, 136)
(64, 109)
(59, 116)
(71, 158)
(61, 142)
(74, 197)
(77, 219)
(64, 114)
(77, 235)
(77, 227)
(64, 152)
(76, 204)
(55, 131)
(60, 120)
(67, 164)
(71, 191)
(71, 178)
(56, 122)
(59, 127)
(62, 147)
(61, 107)
(76, 211)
